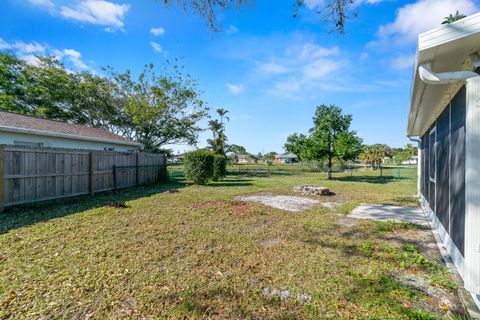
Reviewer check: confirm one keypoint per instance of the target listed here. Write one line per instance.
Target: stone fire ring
(311, 190)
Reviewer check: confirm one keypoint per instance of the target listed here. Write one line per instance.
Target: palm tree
(452, 18)
(218, 143)
(375, 154)
(223, 114)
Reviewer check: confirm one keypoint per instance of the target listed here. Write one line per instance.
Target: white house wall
(54, 142)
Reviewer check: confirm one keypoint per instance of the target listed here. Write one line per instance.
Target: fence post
(92, 173)
(165, 169)
(2, 175)
(137, 169)
(115, 177)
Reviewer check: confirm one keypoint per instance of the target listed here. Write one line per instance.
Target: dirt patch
(236, 207)
(441, 299)
(268, 243)
(349, 223)
(330, 205)
(287, 203)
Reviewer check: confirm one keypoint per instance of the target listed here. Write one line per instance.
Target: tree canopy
(375, 154)
(154, 109)
(330, 138)
(296, 144)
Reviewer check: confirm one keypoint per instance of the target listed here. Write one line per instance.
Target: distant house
(245, 158)
(412, 161)
(22, 130)
(445, 116)
(285, 158)
(177, 158)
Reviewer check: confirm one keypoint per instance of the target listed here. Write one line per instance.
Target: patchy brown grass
(199, 253)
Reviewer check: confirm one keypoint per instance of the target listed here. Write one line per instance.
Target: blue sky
(269, 69)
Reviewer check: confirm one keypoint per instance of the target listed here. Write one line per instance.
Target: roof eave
(427, 47)
(67, 136)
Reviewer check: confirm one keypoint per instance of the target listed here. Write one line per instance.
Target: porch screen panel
(457, 170)
(442, 145)
(422, 165)
(431, 168)
(425, 169)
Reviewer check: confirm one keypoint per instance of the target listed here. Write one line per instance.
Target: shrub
(220, 167)
(198, 166)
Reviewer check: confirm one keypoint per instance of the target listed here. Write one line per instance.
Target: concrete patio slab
(288, 203)
(392, 213)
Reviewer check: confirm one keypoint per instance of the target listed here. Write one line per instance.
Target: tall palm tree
(218, 143)
(223, 114)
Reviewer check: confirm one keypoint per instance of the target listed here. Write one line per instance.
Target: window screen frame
(432, 154)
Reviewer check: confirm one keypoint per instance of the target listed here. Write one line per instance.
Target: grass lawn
(198, 253)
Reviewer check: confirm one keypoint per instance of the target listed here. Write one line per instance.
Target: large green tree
(297, 144)
(160, 108)
(153, 109)
(49, 90)
(331, 137)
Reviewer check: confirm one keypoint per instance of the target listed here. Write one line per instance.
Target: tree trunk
(329, 168)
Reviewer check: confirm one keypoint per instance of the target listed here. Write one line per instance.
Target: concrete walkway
(393, 213)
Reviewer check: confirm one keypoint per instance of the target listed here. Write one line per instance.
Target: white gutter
(429, 77)
(67, 136)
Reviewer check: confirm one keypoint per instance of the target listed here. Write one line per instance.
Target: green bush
(198, 166)
(220, 167)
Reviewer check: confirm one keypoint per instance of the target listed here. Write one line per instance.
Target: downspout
(419, 165)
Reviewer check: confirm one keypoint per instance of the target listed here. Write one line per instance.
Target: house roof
(447, 48)
(13, 122)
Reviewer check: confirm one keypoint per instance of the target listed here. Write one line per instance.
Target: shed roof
(447, 48)
(14, 122)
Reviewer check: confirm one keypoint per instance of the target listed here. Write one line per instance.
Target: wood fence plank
(35, 174)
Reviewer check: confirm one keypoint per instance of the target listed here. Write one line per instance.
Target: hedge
(220, 167)
(199, 166)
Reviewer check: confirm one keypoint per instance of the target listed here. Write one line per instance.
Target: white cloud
(422, 16)
(403, 61)
(234, 88)
(157, 31)
(23, 47)
(272, 68)
(241, 116)
(44, 3)
(232, 29)
(75, 58)
(156, 47)
(29, 51)
(304, 67)
(98, 12)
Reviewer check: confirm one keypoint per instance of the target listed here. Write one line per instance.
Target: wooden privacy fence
(36, 174)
